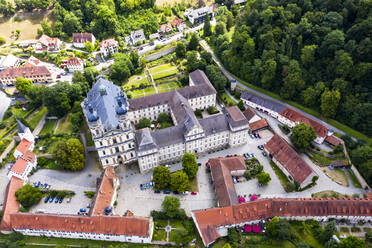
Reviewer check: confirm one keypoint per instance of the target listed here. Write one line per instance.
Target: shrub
(89, 194)
(344, 229)
(355, 229)
(212, 110)
(28, 196)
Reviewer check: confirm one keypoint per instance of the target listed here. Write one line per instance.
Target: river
(4, 103)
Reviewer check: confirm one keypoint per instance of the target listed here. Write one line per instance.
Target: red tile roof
(257, 125)
(29, 156)
(19, 166)
(295, 116)
(26, 72)
(176, 22)
(48, 41)
(208, 219)
(24, 146)
(105, 192)
(10, 202)
(288, 158)
(221, 172)
(164, 27)
(74, 61)
(113, 225)
(333, 140)
(82, 37)
(108, 43)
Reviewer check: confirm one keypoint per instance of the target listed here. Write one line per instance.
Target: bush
(285, 129)
(344, 229)
(355, 229)
(198, 113)
(28, 196)
(89, 194)
(143, 123)
(212, 110)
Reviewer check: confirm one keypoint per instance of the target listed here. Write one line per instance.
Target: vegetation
(164, 120)
(48, 127)
(124, 66)
(189, 165)
(264, 178)
(171, 206)
(143, 123)
(28, 196)
(161, 177)
(285, 129)
(302, 136)
(70, 154)
(212, 110)
(311, 53)
(23, 85)
(89, 194)
(179, 182)
(254, 168)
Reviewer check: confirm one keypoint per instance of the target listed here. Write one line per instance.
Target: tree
(23, 85)
(180, 50)
(229, 20)
(233, 236)
(161, 177)
(293, 82)
(329, 102)
(89, 46)
(144, 122)
(70, 154)
(189, 165)
(2, 41)
(164, 117)
(193, 43)
(171, 206)
(369, 236)
(332, 42)
(220, 29)
(76, 121)
(264, 178)
(218, 80)
(351, 242)
(179, 182)
(28, 195)
(271, 227)
(302, 136)
(241, 105)
(327, 233)
(207, 26)
(283, 229)
(119, 71)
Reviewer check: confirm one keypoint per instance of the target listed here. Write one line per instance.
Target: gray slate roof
(144, 140)
(214, 124)
(169, 136)
(103, 101)
(277, 107)
(235, 117)
(21, 127)
(183, 112)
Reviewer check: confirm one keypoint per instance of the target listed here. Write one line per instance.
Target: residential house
(109, 47)
(251, 115)
(79, 39)
(32, 61)
(259, 125)
(9, 61)
(73, 64)
(23, 166)
(35, 73)
(179, 24)
(46, 43)
(154, 36)
(289, 161)
(199, 15)
(135, 37)
(165, 28)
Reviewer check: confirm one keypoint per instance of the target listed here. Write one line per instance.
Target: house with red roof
(23, 166)
(73, 64)
(109, 46)
(289, 161)
(46, 43)
(179, 24)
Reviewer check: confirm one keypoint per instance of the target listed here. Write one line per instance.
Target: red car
(207, 164)
(258, 135)
(194, 193)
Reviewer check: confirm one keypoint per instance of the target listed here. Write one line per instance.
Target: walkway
(40, 125)
(148, 74)
(205, 46)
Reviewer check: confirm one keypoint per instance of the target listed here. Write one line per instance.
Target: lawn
(227, 99)
(65, 125)
(144, 92)
(169, 79)
(35, 119)
(194, 185)
(135, 81)
(159, 235)
(338, 175)
(354, 179)
(162, 71)
(328, 194)
(48, 127)
(318, 159)
(279, 173)
(167, 87)
(304, 232)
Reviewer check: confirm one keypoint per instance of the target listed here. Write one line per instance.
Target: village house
(109, 47)
(135, 37)
(165, 28)
(36, 74)
(79, 39)
(9, 61)
(179, 24)
(46, 43)
(199, 15)
(23, 166)
(73, 64)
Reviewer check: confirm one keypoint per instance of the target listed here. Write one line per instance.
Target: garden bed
(48, 127)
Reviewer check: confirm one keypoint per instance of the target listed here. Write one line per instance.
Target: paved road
(228, 75)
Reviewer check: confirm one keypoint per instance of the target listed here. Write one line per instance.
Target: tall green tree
(193, 42)
(302, 136)
(161, 177)
(23, 85)
(330, 101)
(180, 50)
(28, 195)
(207, 27)
(189, 165)
(70, 154)
(171, 206)
(180, 182)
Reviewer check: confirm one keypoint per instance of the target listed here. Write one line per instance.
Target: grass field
(167, 87)
(319, 159)
(48, 127)
(27, 23)
(35, 119)
(135, 81)
(162, 71)
(144, 92)
(338, 175)
(65, 125)
(327, 194)
(227, 99)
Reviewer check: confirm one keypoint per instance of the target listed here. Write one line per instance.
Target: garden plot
(143, 92)
(136, 81)
(167, 87)
(162, 71)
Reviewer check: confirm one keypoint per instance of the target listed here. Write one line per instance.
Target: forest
(317, 53)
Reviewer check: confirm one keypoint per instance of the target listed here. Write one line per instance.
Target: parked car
(57, 200)
(252, 155)
(207, 164)
(237, 179)
(252, 136)
(194, 193)
(61, 199)
(157, 191)
(264, 153)
(46, 199)
(199, 164)
(176, 192)
(51, 199)
(258, 135)
(147, 185)
(141, 186)
(59, 76)
(69, 200)
(260, 147)
(167, 192)
(255, 135)
(186, 193)
(234, 180)
(89, 206)
(83, 210)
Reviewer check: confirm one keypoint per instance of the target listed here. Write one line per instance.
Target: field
(48, 127)
(135, 81)
(167, 87)
(65, 125)
(27, 23)
(227, 99)
(162, 71)
(338, 175)
(35, 119)
(144, 92)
